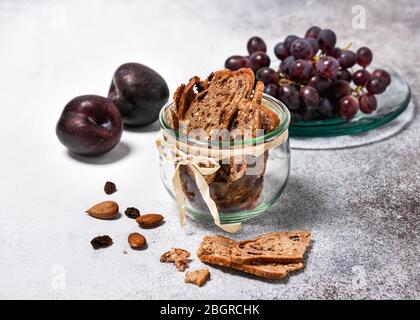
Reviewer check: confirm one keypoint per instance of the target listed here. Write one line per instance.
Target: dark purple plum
(90, 125)
(236, 62)
(256, 44)
(139, 93)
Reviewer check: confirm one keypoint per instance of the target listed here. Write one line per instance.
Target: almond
(104, 210)
(136, 240)
(149, 220)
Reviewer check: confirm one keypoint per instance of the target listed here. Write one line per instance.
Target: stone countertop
(362, 204)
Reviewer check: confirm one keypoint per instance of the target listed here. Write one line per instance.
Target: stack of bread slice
(271, 255)
(225, 100)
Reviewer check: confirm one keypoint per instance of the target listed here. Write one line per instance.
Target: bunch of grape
(316, 80)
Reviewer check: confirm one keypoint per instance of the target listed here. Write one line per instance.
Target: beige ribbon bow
(193, 162)
(170, 149)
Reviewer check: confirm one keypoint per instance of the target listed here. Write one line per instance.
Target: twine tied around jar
(184, 154)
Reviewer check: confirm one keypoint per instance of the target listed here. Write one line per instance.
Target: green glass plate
(390, 105)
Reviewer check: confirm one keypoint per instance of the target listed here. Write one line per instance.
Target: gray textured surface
(362, 204)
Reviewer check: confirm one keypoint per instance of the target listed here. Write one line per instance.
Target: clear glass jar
(247, 196)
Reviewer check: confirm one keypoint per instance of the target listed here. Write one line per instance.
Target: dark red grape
(335, 52)
(280, 51)
(296, 117)
(368, 103)
(326, 108)
(301, 70)
(286, 65)
(289, 40)
(313, 32)
(327, 67)
(256, 44)
(361, 77)
(380, 73)
(272, 89)
(319, 83)
(301, 49)
(309, 96)
(364, 56)
(236, 62)
(376, 85)
(258, 60)
(340, 89)
(289, 96)
(267, 75)
(348, 107)
(308, 113)
(314, 44)
(327, 39)
(347, 59)
(344, 75)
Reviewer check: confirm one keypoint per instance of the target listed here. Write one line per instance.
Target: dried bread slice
(277, 247)
(249, 117)
(198, 277)
(215, 107)
(217, 250)
(270, 120)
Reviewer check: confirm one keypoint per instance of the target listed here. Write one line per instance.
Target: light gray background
(362, 204)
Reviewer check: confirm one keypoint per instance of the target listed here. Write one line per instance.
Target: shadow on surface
(155, 126)
(116, 154)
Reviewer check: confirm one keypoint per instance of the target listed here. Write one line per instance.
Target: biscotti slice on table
(278, 247)
(217, 250)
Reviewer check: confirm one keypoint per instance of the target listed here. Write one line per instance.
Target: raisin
(110, 187)
(132, 213)
(101, 242)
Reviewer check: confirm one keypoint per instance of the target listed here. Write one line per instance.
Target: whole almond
(104, 210)
(149, 220)
(136, 240)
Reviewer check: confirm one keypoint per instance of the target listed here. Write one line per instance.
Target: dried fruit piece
(198, 277)
(136, 240)
(110, 187)
(104, 210)
(132, 213)
(101, 242)
(177, 256)
(149, 220)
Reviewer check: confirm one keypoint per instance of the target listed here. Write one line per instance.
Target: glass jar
(248, 194)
